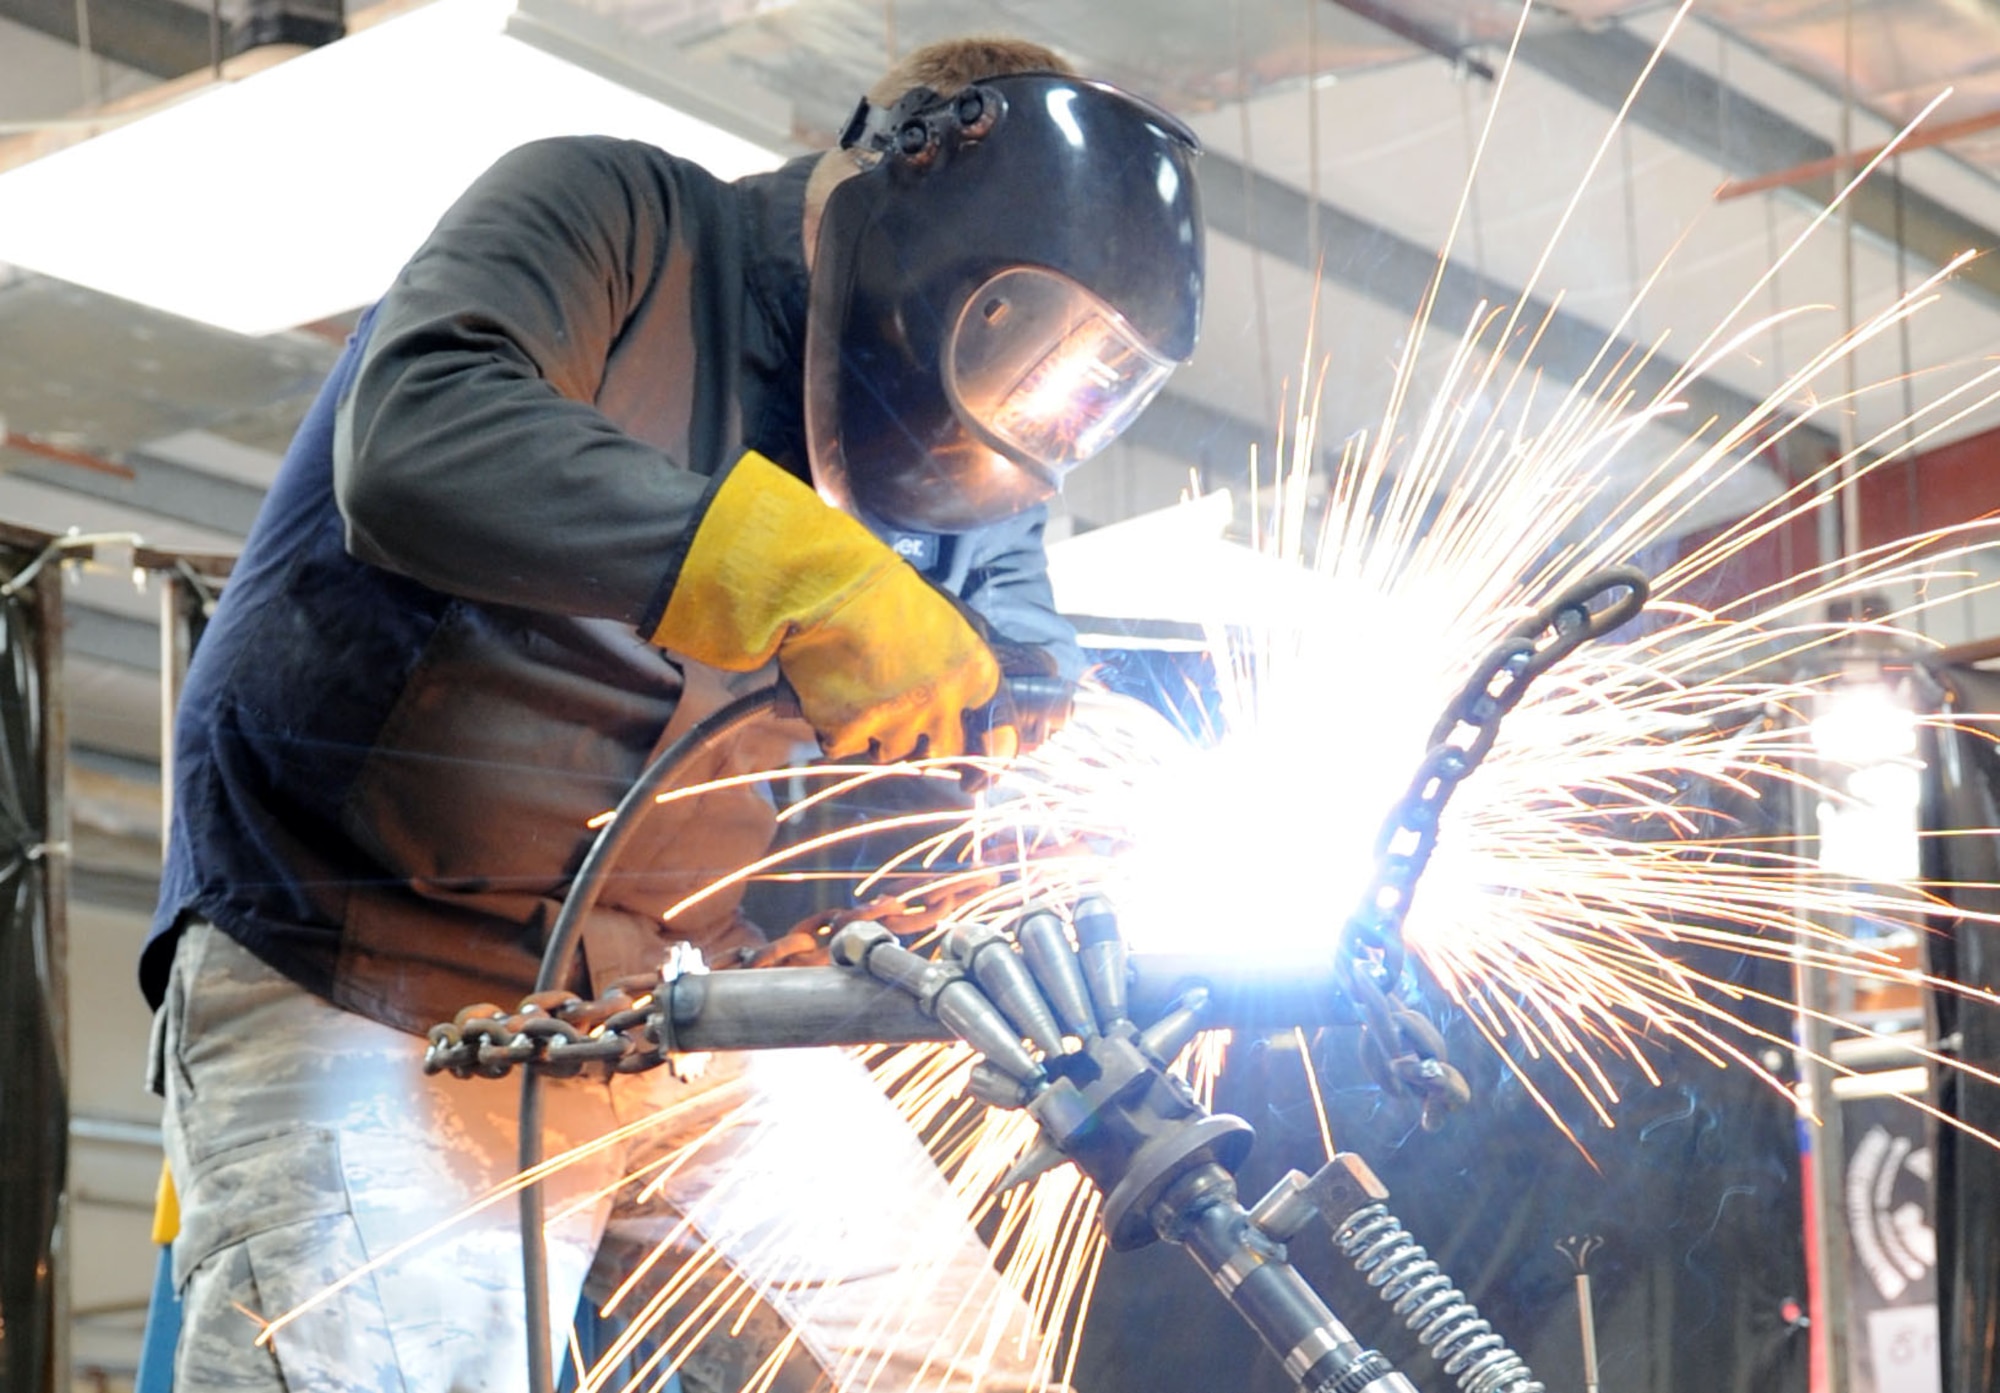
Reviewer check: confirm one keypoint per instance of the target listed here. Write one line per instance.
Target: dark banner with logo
(1964, 793)
(1892, 1247)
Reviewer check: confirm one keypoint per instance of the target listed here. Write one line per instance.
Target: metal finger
(1045, 945)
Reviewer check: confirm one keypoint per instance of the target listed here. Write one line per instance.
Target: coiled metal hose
(1417, 1289)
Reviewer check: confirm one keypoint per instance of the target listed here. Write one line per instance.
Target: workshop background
(177, 273)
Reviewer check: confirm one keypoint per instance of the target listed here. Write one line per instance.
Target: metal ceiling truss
(157, 486)
(1693, 110)
(161, 38)
(1395, 271)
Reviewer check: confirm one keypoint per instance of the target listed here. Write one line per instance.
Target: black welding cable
(556, 963)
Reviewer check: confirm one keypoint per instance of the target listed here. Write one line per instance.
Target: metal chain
(1401, 1049)
(628, 1026)
(559, 1032)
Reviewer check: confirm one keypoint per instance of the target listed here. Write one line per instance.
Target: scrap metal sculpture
(1082, 1036)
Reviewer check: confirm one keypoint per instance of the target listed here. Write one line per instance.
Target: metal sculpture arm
(1052, 1021)
(639, 1021)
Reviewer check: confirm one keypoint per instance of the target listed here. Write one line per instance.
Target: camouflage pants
(308, 1144)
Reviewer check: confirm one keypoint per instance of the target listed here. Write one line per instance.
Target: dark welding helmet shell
(997, 297)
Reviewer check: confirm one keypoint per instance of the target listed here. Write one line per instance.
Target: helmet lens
(1047, 371)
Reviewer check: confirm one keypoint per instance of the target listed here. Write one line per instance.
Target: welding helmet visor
(997, 297)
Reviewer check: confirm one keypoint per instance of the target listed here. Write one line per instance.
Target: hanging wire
(91, 77)
(1725, 129)
(1470, 129)
(1849, 509)
(1919, 619)
(1315, 255)
(1312, 133)
(1786, 562)
(1634, 278)
(1266, 375)
(1903, 323)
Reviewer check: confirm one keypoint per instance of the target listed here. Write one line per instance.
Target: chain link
(1402, 1051)
(559, 1032)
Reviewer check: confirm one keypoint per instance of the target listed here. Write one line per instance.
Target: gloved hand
(1032, 703)
(877, 655)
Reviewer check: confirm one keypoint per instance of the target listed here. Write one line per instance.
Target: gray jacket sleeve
(1008, 583)
(468, 454)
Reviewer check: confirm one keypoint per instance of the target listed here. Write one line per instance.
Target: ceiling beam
(161, 38)
(160, 486)
(1394, 271)
(1387, 14)
(1719, 124)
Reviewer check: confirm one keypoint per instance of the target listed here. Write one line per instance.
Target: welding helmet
(996, 295)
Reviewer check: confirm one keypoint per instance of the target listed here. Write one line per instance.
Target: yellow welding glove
(878, 656)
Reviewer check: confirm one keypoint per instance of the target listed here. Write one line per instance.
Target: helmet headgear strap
(918, 122)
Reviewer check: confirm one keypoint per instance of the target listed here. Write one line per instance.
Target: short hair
(953, 64)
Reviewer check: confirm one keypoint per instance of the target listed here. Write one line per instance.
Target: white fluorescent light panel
(299, 192)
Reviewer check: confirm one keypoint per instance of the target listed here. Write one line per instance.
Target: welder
(623, 440)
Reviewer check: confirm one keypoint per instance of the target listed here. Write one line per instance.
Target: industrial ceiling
(1339, 136)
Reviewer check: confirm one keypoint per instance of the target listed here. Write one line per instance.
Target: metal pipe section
(791, 1007)
(1822, 1136)
(1201, 1214)
(1586, 1311)
(52, 759)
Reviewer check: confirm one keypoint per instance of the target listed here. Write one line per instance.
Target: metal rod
(1586, 1316)
(1942, 133)
(52, 718)
(1578, 1247)
(180, 602)
(794, 1007)
(1964, 654)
